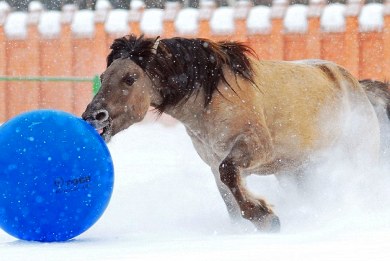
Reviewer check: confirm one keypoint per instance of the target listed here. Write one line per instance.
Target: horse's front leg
(227, 196)
(249, 151)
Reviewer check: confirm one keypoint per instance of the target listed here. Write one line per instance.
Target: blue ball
(56, 176)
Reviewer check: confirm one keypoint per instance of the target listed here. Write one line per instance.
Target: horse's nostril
(101, 115)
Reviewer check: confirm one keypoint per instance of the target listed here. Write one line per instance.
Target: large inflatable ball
(56, 176)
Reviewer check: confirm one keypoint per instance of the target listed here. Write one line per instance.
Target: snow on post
(117, 22)
(83, 24)
(35, 9)
(259, 20)
(222, 21)
(206, 9)
(371, 17)
(152, 22)
(35, 6)
(315, 8)
(353, 8)
(16, 25)
(333, 18)
(137, 4)
(103, 5)
(241, 9)
(4, 7)
(49, 25)
(137, 7)
(295, 19)
(187, 21)
(101, 10)
(68, 12)
(171, 9)
(386, 8)
(278, 9)
(4, 11)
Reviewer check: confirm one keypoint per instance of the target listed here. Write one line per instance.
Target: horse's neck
(190, 113)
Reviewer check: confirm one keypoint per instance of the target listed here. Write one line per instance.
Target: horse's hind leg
(244, 154)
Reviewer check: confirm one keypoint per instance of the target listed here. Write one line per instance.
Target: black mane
(183, 66)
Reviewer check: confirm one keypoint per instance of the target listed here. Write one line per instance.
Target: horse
(244, 115)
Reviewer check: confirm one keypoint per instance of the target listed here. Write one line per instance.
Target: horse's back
(306, 104)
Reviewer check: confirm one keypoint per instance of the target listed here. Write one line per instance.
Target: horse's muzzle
(101, 121)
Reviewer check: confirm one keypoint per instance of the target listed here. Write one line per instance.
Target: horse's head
(126, 91)
(123, 99)
(143, 72)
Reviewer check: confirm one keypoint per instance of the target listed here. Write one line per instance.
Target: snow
(278, 8)
(371, 17)
(68, 11)
(35, 6)
(103, 5)
(170, 10)
(243, 3)
(83, 24)
(16, 25)
(187, 21)
(4, 10)
(333, 19)
(207, 3)
(166, 206)
(69, 7)
(315, 8)
(152, 21)
(206, 9)
(353, 8)
(295, 19)
(117, 22)
(102, 8)
(4, 7)
(49, 25)
(241, 9)
(35, 9)
(259, 20)
(172, 5)
(137, 4)
(222, 21)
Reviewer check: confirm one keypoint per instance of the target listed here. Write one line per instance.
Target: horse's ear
(155, 46)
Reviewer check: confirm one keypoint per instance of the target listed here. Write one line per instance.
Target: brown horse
(244, 116)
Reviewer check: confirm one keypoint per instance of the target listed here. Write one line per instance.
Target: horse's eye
(129, 80)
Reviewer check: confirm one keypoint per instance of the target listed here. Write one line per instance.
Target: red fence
(365, 53)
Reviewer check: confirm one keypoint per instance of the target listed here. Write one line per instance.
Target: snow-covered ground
(166, 206)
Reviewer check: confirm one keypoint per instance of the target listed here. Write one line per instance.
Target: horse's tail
(379, 95)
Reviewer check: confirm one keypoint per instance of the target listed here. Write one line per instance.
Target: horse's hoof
(272, 222)
(269, 224)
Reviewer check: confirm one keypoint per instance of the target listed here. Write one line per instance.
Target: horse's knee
(228, 172)
(261, 216)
